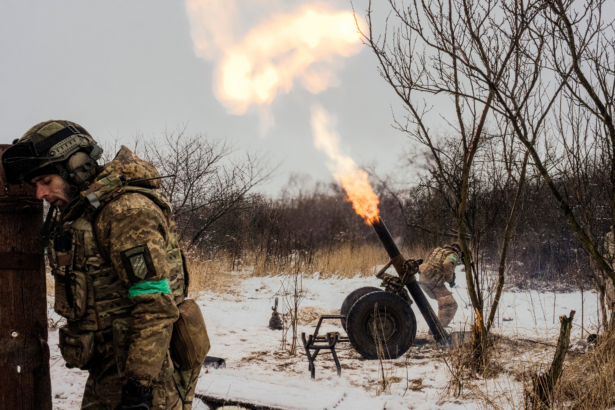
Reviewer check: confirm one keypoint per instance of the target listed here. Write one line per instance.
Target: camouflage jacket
(439, 266)
(126, 270)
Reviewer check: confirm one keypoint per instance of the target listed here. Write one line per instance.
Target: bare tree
(464, 50)
(207, 179)
(582, 54)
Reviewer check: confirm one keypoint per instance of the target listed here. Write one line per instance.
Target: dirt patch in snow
(309, 315)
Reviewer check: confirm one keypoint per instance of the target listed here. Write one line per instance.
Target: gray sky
(119, 67)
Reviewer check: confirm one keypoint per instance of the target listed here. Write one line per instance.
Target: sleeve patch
(138, 263)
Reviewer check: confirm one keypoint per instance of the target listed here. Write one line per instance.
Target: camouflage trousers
(103, 389)
(447, 306)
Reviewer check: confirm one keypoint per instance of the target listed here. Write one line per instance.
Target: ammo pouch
(189, 343)
(77, 348)
(79, 287)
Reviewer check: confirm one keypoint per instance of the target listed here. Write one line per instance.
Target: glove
(136, 397)
(452, 283)
(392, 284)
(411, 266)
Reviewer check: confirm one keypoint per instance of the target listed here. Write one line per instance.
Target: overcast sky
(122, 67)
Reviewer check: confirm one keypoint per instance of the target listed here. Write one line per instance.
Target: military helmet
(49, 148)
(456, 247)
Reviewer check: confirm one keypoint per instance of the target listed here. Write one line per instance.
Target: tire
(396, 330)
(352, 298)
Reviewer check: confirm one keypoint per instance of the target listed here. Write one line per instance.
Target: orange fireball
(354, 180)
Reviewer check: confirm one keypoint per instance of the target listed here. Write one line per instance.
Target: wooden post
(25, 383)
(544, 383)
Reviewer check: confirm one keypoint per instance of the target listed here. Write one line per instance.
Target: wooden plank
(25, 383)
(214, 403)
(13, 260)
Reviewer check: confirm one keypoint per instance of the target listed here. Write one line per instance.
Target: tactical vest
(99, 294)
(432, 271)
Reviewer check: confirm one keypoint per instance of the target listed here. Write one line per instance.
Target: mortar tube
(397, 259)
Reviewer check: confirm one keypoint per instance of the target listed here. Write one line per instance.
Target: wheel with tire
(381, 323)
(352, 298)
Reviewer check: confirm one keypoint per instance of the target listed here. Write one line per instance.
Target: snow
(259, 371)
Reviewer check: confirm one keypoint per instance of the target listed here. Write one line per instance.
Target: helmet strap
(66, 176)
(62, 171)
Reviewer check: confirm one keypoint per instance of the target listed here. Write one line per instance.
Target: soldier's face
(53, 189)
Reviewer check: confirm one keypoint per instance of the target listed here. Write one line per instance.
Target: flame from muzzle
(354, 180)
(305, 45)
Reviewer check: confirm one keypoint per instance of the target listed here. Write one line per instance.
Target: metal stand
(316, 343)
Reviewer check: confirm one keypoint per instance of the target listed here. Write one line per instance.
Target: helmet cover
(43, 147)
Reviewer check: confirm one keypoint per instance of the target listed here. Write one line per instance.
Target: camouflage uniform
(609, 246)
(127, 279)
(437, 269)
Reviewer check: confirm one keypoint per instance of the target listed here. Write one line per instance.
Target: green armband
(452, 257)
(154, 286)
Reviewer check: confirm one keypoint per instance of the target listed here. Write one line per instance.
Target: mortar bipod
(317, 343)
(407, 278)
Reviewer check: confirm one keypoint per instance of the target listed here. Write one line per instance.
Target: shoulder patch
(138, 263)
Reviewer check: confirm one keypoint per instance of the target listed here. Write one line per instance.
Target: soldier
(437, 269)
(119, 273)
(609, 246)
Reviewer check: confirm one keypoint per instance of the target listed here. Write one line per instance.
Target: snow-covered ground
(260, 371)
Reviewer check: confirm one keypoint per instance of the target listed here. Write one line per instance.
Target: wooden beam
(25, 383)
(543, 384)
(216, 402)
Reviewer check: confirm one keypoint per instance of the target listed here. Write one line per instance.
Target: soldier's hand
(452, 283)
(136, 397)
(411, 266)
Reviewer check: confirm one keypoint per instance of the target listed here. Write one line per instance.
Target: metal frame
(316, 343)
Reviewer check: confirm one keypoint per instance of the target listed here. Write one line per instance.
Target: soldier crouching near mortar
(120, 277)
(437, 269)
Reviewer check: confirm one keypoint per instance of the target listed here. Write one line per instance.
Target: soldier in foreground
(434, 272)
(120, 277)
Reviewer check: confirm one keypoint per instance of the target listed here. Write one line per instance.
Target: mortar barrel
(397, 259)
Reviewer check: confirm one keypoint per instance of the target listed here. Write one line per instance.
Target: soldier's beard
(64, 196)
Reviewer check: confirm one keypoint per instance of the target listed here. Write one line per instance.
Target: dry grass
(348, 262)
(213, 276)
(462, 364)
(309, 315)
(222, 273)
(344, 261)
(588, 381)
